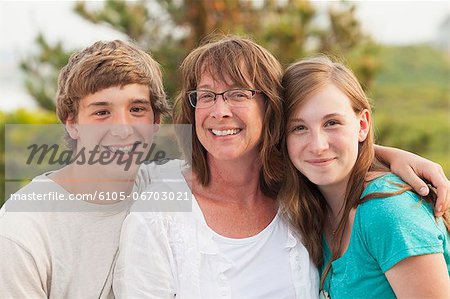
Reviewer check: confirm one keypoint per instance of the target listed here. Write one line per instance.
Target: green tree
(169, 29)
(41, 71)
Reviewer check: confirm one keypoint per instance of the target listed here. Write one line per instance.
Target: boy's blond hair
(104, 65)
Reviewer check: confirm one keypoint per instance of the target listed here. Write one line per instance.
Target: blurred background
(400, 51)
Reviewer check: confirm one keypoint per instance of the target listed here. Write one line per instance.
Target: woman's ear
(72, 127)
(364, 125)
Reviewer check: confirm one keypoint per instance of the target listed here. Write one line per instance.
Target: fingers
(443, 200)
(437, 178)
(411, 178)
(431, 173)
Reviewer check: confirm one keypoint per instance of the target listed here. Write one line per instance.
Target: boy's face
(116, 120)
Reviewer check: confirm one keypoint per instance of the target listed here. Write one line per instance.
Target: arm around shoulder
(414, 169)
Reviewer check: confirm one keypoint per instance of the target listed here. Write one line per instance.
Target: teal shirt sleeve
(397, 227)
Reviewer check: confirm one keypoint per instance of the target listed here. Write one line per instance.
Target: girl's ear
(72, 127)
(364, 125)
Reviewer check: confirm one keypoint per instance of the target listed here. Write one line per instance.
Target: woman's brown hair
(249, 65)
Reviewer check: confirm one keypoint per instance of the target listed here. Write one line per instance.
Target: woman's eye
(238, 95)
(206, 97)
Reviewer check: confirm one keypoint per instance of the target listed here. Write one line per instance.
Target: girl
(368, 232)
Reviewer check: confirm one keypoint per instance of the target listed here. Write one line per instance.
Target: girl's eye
(298, 128)
(331, 123)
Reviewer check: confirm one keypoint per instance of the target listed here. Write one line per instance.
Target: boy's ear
(156, 123)
(72, 127)
(364, 125)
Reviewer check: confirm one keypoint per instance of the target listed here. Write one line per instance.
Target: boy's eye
(101, 113)
(138, 109)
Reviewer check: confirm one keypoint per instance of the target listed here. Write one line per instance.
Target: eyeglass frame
(189, 93)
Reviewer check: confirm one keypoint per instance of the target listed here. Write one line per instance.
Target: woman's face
(323, 137)
(229, 133)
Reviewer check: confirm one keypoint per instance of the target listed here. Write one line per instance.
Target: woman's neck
(233, 180)
(232, 203)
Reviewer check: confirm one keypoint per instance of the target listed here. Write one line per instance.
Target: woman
(371, 235)
(230, 93)
(234, 244)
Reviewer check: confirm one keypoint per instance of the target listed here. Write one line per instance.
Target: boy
(110, 98)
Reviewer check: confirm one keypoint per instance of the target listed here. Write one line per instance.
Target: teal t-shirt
(385, 231)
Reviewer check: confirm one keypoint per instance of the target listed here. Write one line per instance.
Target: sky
(389, 22)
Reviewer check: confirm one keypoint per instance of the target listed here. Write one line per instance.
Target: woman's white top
(168, 254)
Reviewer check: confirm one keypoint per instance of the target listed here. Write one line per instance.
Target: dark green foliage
(412, 101)
(41, 71)
(169, 29)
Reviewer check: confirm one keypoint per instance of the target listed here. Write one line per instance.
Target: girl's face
(323, 137)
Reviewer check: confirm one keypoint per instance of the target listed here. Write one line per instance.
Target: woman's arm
(411, 168)
(422, 276)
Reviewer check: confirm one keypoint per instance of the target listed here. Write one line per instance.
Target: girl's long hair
(301, 201)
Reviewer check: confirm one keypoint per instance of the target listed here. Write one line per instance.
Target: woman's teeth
(225, 132)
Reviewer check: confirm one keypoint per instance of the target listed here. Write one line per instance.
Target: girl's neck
(335, 197)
